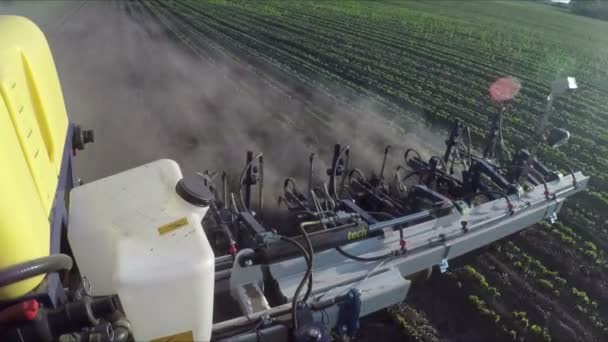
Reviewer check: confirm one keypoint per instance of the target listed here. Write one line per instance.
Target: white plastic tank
(132, 235)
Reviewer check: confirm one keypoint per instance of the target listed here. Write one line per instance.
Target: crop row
(382, 76)
(390, 62)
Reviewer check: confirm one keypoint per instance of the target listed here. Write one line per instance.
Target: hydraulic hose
(307, 277)
(363, 259)
(32, 268)
(311, 253)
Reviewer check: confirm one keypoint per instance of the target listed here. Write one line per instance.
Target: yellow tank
(33, 128)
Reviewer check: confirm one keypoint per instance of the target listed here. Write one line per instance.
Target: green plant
(591, 254)
(540, 333)
(478, 277)
(494, 291)
(590, 246)
(482, 307)
(582, 295)
(536, 329)
(545, 284)
(521, 317)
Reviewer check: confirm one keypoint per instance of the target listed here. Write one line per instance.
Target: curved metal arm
(247, 167)
(344, 154)
(407, 153)
(359, 174)
(286, 183)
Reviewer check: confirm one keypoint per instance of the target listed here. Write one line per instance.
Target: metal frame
(432, 243)
(51, 291)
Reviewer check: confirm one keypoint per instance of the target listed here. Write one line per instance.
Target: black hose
(307, 276)
(574, 182)
(32, 268)
(312, 255)
(362, 259)
(469, 143)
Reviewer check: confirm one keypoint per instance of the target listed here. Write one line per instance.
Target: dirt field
(147, 99)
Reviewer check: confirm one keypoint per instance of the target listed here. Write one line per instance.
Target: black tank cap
(193, 191)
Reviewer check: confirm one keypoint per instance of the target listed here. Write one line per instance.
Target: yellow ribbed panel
(33, 128)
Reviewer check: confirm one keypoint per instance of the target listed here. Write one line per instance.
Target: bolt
(88, 136)
(313, 334)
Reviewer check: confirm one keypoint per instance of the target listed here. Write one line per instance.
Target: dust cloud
(148, 98)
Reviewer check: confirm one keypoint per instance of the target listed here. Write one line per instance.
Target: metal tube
(331, 200)
(225, 190)
(311, 170)
(246, 176)
(317, 204)
(305, 224)
(401, 187)
(538, 137)
(243, 320)
(468, 144)
(386, 151)
(399, 220)
(247, 202)
(379, 196)
(344, 172)
(310, 213)
(261, 185)
(235, 209)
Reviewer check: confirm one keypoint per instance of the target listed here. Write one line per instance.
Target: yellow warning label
(171, 226)
(181, 337)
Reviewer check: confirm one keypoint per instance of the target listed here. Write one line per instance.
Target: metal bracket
(245, 285)
(443, 264)
(309, 330)
(348, 314)
(552, 218)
